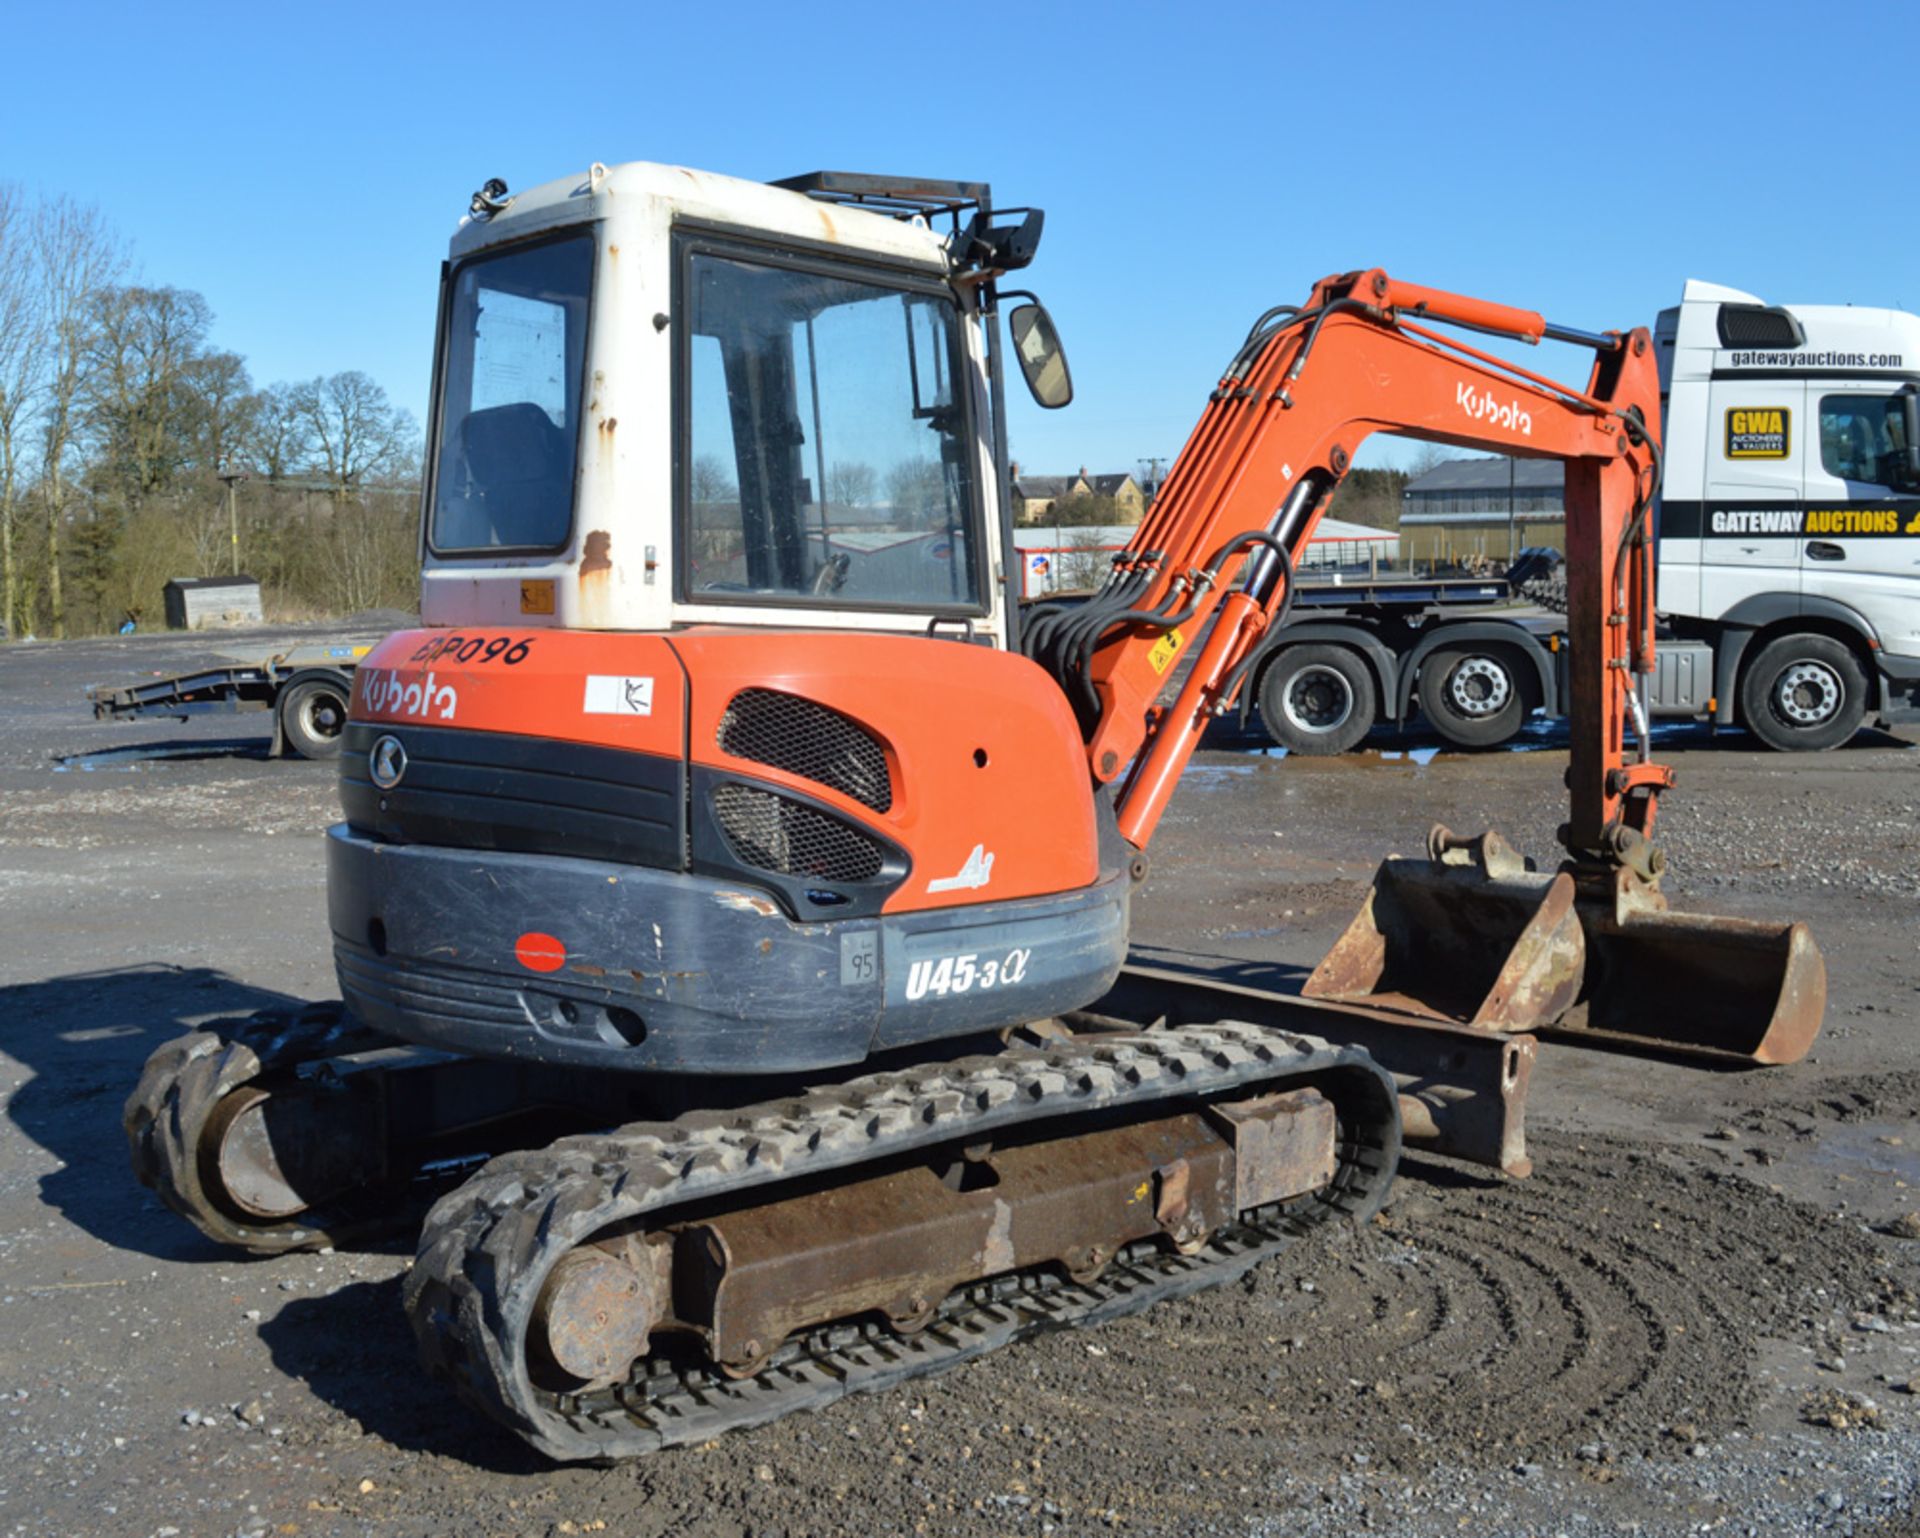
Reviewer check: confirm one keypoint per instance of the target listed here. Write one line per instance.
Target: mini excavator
(731, 903)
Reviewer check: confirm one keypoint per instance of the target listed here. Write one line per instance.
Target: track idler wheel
(218, 1129)
(1474, 936)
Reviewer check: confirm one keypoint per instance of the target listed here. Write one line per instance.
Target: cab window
(1863, 438)
(825, 447)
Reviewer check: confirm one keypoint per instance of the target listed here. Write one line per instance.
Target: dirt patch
(1611, 1298)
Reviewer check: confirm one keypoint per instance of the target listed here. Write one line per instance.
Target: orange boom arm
(1259, 469)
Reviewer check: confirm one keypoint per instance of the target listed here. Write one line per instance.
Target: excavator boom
(1473, 936)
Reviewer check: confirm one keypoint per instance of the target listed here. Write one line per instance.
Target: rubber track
(487, 1246)
(186, 1078)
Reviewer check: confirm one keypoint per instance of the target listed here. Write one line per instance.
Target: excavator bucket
(1472, 936)
(1700, 985)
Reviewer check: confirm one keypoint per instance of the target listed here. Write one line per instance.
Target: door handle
(1821, 550)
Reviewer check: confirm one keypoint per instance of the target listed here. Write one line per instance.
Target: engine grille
(810, 740)
(792, 838)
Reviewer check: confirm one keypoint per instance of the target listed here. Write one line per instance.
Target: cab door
(1749, 534)
(1861, 540)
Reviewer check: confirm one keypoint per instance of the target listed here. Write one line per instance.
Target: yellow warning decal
(1913, 525)
(1164, 651)
(537, 597)
(1759, 432)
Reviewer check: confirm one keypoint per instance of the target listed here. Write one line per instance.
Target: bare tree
(144, 346)
(222, 405)
(851, 484)
(917, 492)
(355, 431)
(20, 364)
(1428, 455)
(275, 441)
(711, 483)
(76, 256)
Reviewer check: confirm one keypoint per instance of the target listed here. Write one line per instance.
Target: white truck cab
(1790, 521)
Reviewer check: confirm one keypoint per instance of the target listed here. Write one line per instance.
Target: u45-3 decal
(963, 974)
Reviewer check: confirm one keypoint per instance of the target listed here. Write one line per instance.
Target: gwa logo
(1483, 407)
(389, 692)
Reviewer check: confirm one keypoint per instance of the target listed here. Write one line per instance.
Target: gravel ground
(1699, 1315)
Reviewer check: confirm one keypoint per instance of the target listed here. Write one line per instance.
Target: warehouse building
(1482, 508)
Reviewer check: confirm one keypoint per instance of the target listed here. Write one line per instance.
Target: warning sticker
(1164, 651)
(618, 696)
(1759, 432)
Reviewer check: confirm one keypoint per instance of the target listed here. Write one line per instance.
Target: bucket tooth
(1472, 936)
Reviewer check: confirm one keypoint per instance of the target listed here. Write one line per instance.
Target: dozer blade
(1472, 936)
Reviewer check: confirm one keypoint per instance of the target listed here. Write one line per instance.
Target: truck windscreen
(510, 399)
(826, 456)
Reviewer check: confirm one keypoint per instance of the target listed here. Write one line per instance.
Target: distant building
(1035, 495)
(1483, 507)
(212, 603)
(1076, 557)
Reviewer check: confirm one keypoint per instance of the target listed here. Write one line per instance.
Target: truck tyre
(1317, 699)
(1472, 695)
(313, 714)
(1804, 694)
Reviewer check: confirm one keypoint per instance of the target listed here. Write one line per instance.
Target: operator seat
(516, 490)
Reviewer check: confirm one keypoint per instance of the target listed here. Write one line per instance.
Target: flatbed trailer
(306, 687)
(1385, 591)
(1361, 650)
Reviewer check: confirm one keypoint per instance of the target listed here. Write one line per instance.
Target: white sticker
(611, 696)
(977, 872)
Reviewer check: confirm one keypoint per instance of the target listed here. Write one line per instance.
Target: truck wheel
(1472, 695)
(1804, 694)
(1317, 700)
(313, 713)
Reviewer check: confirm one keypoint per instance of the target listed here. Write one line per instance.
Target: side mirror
(1042, 360)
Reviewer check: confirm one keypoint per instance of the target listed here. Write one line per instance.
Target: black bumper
(670, 972)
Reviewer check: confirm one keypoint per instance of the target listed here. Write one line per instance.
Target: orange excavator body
(753, 775)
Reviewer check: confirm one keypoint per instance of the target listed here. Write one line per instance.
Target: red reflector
(539, 953)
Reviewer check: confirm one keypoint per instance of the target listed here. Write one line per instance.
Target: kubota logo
(389, 692)
(1483, 406)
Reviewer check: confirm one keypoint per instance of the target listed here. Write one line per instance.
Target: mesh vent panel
(809, 740)
(792, 838)
(1750, 325)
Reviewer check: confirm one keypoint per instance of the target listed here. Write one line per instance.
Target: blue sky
(303, 166)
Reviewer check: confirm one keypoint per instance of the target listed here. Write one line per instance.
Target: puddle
(1203, 775)
(138, 754)
(1857, 1146)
